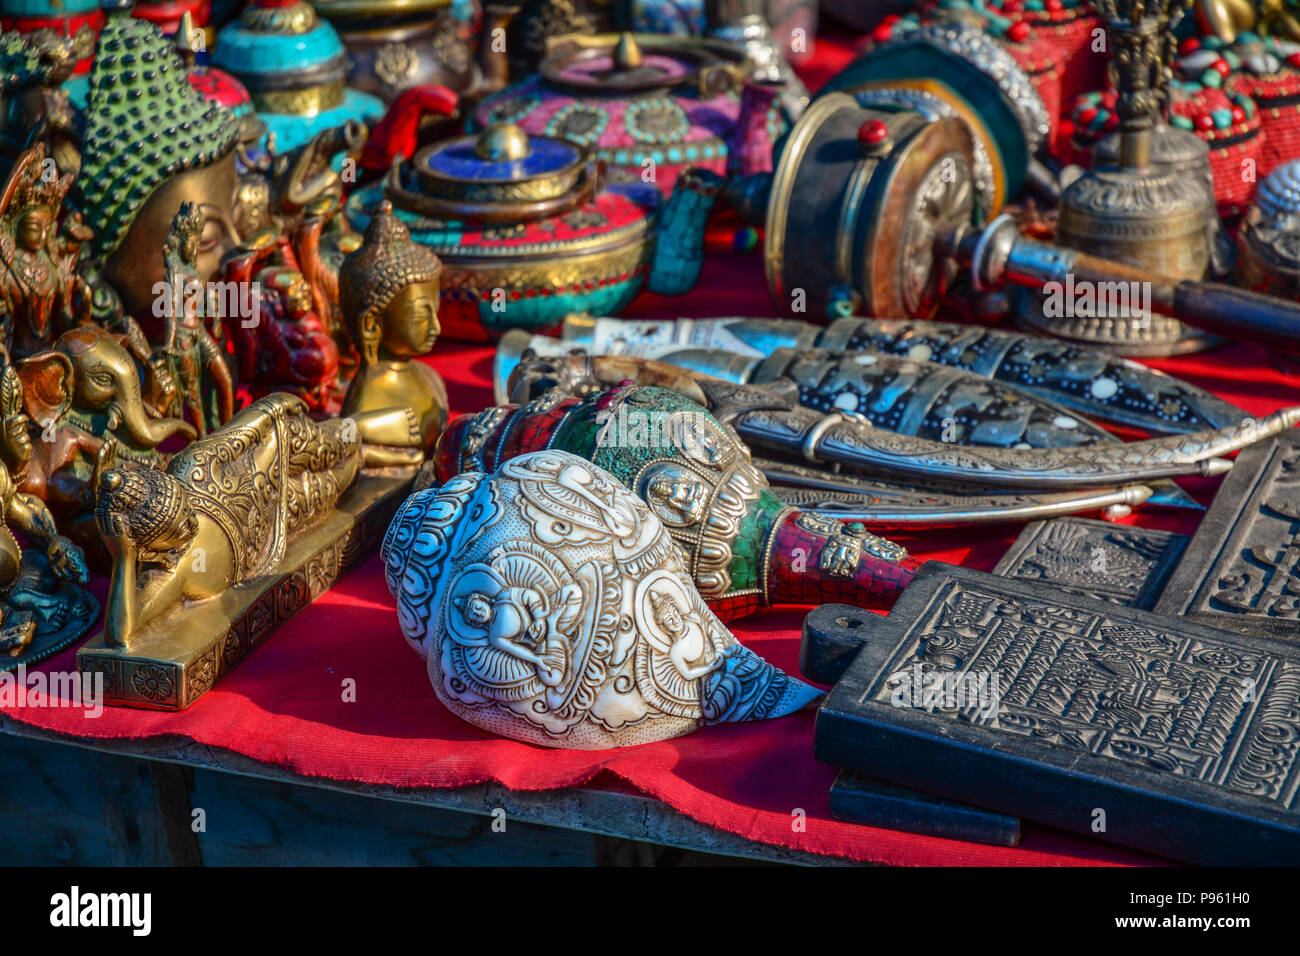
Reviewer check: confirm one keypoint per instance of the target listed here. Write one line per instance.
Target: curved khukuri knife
(769, 420)
(772, 422)
(907, 397)
(1087, 381)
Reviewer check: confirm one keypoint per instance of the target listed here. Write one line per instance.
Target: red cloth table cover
(284, 705)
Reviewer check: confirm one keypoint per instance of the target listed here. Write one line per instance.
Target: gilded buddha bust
(151, 143)
(388, 290)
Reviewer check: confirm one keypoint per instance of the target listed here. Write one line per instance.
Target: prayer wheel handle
(999, 255)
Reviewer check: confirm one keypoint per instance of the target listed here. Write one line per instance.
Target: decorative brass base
(180, 655)
(1156, 218)
(1160, 337)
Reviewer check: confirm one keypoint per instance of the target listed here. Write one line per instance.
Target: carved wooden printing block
(1242, 570)
(1122, 565)
(1106, 561)
(1055, 706)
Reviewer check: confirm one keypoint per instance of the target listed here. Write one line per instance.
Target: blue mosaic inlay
(458, 161)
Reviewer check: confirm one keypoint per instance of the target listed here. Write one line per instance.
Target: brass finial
(627, 54)
(185, 39)
(1139, 34)
(501, 143)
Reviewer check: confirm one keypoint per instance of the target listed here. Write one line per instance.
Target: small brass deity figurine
(81, 394)
(40, 292)
(389, 295)
(288, 349)
(151, 143)
(198, 364)
(236, 499)
(288, 345)
(553, 607)
(38, 597)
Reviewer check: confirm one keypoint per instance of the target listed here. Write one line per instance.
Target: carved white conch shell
(551, 606)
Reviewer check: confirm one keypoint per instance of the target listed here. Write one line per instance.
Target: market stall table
(334, 700)
(756, 790)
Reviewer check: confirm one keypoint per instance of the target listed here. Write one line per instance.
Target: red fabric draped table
(284, 705)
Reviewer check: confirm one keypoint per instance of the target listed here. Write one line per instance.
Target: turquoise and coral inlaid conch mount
(527, 232)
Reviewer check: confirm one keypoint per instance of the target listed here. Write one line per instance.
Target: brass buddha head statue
(388, 289)
(152, 142)
(152, 506)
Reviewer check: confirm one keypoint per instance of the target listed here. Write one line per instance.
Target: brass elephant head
(90, 374)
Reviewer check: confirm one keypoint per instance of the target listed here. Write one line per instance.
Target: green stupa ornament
(145, 124)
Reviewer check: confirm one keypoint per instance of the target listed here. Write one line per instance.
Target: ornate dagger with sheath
(947, 406)
(769, 418)
(1084, 380)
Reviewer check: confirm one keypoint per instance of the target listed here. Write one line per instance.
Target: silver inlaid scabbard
(859, 447)
(899, 509)
(1080, 379)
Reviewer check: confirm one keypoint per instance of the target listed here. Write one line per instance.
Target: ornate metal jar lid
(648, 107)
(501, 164)
(621, 64)
(277, 49)
(504, 193)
